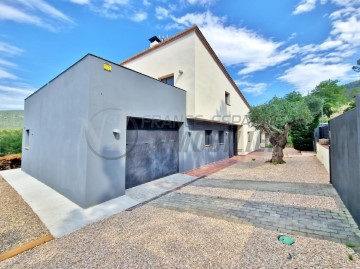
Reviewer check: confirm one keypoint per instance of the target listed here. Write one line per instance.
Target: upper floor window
(168, 79)
(227, 98)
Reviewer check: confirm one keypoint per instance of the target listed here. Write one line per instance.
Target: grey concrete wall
(194, 153)
(345, 158)
(115, 96)
(72, 120)
(56, 116)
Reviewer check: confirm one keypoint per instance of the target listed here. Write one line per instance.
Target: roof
(105, 61)
(197, 31)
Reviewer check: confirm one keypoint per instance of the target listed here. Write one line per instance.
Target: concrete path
(61, 216)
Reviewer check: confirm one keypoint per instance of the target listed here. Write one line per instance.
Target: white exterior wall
(204, 82)
(322, 153)
(178, 55)
(210, 85)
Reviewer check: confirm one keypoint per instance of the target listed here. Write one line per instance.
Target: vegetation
(11, 119)
(302, 133)
(277, 117)
(356, 68)
(333, 96)
(10, 141)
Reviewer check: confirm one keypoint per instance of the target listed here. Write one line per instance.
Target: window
(169, 79)
(227, 98)
(27, 138)
(208, 140)
(221, 137)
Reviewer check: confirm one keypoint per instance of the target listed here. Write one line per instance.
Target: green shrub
(10, 141)
(303, 135)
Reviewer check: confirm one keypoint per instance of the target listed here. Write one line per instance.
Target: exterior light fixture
(116, 133)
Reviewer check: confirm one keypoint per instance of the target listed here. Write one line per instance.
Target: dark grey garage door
(152, 150)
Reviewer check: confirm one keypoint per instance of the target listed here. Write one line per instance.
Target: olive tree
(276, 118)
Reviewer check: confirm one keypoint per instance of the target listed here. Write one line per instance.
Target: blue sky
(269, 47)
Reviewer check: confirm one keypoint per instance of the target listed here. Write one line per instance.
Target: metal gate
(152, 150)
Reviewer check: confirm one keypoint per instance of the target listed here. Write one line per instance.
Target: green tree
(303, 134)
(333, 95)
(277, 117)
(10, 141)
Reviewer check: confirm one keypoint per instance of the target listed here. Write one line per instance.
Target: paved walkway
(335, 224)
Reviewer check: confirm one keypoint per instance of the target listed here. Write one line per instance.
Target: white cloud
(9, 49)
(146, 3)
(201, 2)
(255, 89)
(36, 12)
(80, 2)
(13, 14)
(305, 6)
(139, 16)
(11, 101)
(4, 74)
(114, 4)
(6, 63)
(23, 91)
(161, 13)
(306, 76)
(238, 45)
(12, 90)
(348, 30)
(329, 59)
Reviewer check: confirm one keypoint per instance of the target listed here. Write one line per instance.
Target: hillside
(352, 85)
(11, 119)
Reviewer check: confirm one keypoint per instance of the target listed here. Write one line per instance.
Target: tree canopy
(333, 95)
(279, 115)
(274, 115)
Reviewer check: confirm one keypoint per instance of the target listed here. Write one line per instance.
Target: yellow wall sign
(107, 67)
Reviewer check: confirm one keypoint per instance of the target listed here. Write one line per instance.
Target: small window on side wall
(27, 138)
(221, 137)
(169, 79)
(227, 98)
(208, 140)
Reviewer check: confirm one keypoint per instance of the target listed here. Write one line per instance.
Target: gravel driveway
(18, 223)
(230, 219)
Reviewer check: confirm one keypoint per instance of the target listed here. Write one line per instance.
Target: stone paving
(335, 225)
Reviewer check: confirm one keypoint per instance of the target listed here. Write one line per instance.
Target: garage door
(152, 150)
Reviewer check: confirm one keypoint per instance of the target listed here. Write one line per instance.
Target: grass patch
(351, 258)
(350, 245)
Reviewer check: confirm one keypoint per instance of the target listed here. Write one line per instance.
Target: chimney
(154, 41)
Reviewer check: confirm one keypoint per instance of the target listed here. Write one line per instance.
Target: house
(100, 128)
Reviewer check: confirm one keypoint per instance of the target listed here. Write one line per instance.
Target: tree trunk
(277, 154)
(278, 139)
